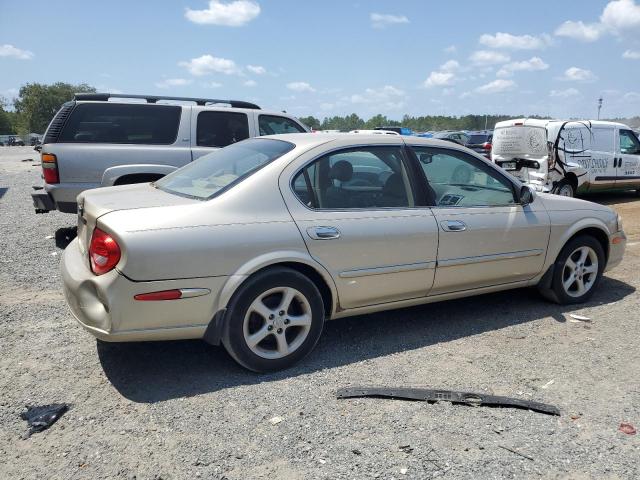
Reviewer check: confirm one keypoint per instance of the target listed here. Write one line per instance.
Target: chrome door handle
(453, 226)
(323, 233)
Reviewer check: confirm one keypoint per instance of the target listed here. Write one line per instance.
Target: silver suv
(101, 139)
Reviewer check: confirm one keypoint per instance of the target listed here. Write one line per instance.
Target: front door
(356, 211)
(486, 237)
(628, 160)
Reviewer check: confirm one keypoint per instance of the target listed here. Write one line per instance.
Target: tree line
(36, 104)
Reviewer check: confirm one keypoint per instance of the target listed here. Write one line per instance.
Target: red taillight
(104, 252)
(163, 295)
(50, 168)
(486, 146)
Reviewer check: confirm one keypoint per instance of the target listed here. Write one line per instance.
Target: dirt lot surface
(178, 410)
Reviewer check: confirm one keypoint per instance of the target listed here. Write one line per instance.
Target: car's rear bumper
(59, 196)
(104, 305)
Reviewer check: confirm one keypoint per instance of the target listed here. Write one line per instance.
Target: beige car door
(355, 210)
(486, 238)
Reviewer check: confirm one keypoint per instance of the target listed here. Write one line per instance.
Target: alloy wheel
(580, 271)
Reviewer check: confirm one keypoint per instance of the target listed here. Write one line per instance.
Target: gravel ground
(178, 410)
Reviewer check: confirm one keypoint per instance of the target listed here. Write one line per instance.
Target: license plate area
(509, 165)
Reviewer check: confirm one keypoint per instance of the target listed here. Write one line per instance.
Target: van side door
(601, 160)
(628, 159)
(214, 128)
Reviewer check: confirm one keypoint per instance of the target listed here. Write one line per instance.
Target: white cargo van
(568, 157)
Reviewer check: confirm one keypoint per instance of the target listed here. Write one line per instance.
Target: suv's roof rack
(103, 97)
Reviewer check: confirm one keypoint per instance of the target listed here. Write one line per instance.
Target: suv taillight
(50, 168)
(486, 146)
(104, 252)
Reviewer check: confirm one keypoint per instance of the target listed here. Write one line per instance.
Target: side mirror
(527, 195)
(425, 158)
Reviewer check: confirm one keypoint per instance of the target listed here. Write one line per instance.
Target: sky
(325, 58)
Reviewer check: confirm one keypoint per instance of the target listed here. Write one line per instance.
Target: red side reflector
(617, 240)
(155, 296)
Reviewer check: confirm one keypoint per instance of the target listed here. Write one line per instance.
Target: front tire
(578, 270)
(274, 320)
(564, 188)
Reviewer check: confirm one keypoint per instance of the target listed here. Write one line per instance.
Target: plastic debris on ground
(627, 428)
(575, 318)
(41, 418)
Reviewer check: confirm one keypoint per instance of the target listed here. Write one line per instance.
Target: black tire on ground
(563, 271)
(238, 323)
(565, 188)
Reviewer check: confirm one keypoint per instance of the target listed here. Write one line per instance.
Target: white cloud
(464, 95)
(584, 32)
(569, 92)
(531, 65)
(621, 15)
(173, 82)
(233, 14)
(257, 69)
(439, 79)
(386, 98)
(300, 87)
(497, 86)
(631, 54)
(515, 42)
(450, 49)
(575, 74)
(8, 50)
(382, 20)
(207, 64)
(488, 57)
(631, 97)
(250, 83)
(450, 66)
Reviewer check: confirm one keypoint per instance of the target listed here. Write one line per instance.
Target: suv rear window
(479, 138)
(274, 124)
(118, 123)
(219, 129)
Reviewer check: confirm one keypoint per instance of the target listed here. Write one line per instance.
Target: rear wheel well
(137, 178)
(598, 234)
(313, 275)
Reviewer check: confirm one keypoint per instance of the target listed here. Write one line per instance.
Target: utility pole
(599, 107)
(485, 122)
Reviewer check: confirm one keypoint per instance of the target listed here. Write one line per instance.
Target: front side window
(122, 123)
(362, 177)
(629, 143)
(219, 129)
(222, 169)
(460, 180)
(274, 124)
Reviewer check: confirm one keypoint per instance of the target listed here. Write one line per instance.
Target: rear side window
(118, 123)
(219, 129)
(274, 124)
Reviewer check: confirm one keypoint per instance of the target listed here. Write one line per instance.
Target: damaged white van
(568, 157)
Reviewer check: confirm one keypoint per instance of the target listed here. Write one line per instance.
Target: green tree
(311, 122)
(6, 119)
(37, 103)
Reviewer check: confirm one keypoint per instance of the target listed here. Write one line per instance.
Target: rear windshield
(118, 123)
(224, 168)
(479, 138)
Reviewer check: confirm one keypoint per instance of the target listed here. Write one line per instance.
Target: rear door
(212, 129)
(628, 159)
(356, 211)
(99, 135)
(486, 237)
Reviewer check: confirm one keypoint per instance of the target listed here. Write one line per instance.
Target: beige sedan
(254, 246)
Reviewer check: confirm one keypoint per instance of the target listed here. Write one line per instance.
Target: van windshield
(220, 170)
(520, 140)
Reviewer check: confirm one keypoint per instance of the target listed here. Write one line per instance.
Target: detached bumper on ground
(105, 306)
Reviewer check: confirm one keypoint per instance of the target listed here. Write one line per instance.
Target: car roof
(537, 122)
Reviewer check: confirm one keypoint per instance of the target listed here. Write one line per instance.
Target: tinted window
(222, 169)
(457, 179)
(219, 129)
(367, 177)
(273, 125)
(629, 142)
(478, 138)
(118, 123)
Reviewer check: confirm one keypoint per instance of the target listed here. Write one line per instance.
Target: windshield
(220, 170)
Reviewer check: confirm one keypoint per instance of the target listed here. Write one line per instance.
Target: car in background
(458, 137)
(15, 142)
(399, 130)
(480, 142)
(102, 139)
(256, 244)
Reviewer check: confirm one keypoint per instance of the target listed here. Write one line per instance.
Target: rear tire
(274, 320)
(578, 270)
(564, 188)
